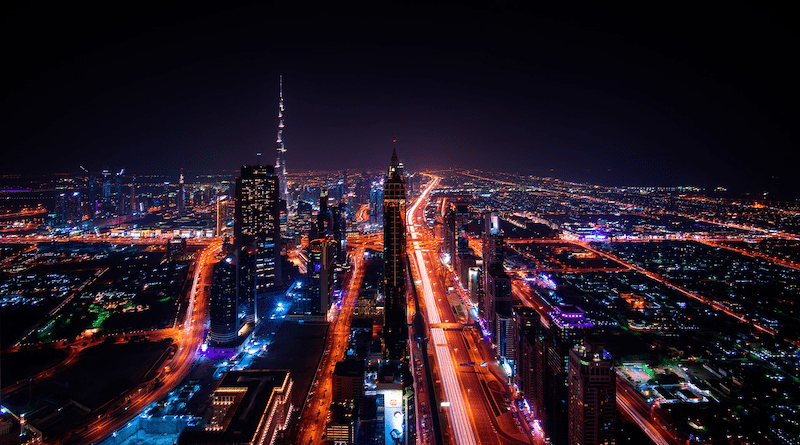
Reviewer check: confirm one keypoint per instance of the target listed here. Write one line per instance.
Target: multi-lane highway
(474, 398)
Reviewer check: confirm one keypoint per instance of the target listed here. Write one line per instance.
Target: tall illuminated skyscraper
(280, 163)
(224, 320)
(257, 228)
(562, 329)
(320, 275)
(496, 305)
(181, 194)
(592, 396)
(394, 251)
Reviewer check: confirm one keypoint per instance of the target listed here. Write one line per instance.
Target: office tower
(323, 217)
(92, 201)
(450, 234)
(320, 275)
(343, 421)
(338, 232)
(348, 381)
(455, 218)
(280, 163)
(181, 194)
(68, 206)
(561, 329)
(224, 320)
(497, 284)
(257, 226)
(118, 201)
(506, 338)
(222, 214)
(376, 203)
(106, 192)
(527, 327)
(133, 200)
(394, 251)
(592, 395)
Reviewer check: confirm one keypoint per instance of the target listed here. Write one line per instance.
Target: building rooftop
(249, 394)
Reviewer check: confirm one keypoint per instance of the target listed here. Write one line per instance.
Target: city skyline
(587, 232)
(687, 302)
(603, 95)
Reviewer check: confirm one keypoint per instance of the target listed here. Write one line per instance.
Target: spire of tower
(394, 165)
(280, 163)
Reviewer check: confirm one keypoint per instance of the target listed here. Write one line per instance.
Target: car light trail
(643, 424)
(459, 419)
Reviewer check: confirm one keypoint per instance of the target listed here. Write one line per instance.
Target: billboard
(394, 418)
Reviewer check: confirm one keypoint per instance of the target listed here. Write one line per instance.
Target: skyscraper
(561, 329)
(224, 320)
(323, 217)
(394, 251)
(496, 305)
(529, 358)
(181, 194)
(257, 227)
(321, 275)
(280, 163)
(592, 396)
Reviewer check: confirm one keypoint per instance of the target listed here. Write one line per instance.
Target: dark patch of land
(24, 364)
(298, 348)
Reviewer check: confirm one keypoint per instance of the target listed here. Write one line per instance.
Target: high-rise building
(526, 321)
(394, 250)
(320, 275)
(280, 163)
(348, 381)
(222, 214)
(257, 226)
(455, 218)
(497, 285)
(561, 329)
(181, 194)
(376, 203)
(224, 320)
(324, 216)
(592, 395)
(339, 232)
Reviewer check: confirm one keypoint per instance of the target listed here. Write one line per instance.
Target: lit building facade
(496, 304)
(592, 396)
(561, 329)
(394, 250)
(224, 320)
(257, 226)
(249, 408)
(320, 276)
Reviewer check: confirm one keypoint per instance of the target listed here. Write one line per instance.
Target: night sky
(654, 94)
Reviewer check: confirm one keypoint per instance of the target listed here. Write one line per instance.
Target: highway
(477, 412)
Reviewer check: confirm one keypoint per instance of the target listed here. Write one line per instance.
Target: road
(313, 418)
(105, 239)
(752, 254)
(648, 211)
(477, 412)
